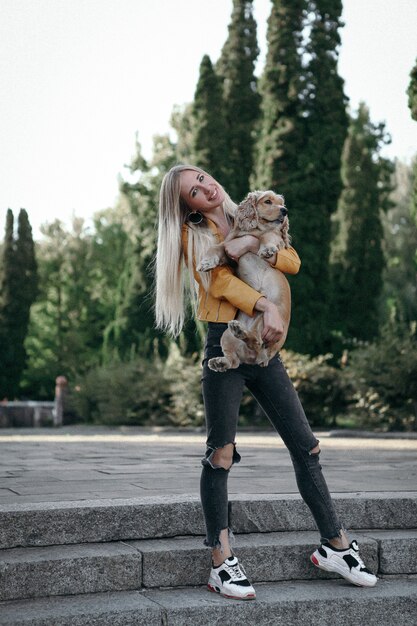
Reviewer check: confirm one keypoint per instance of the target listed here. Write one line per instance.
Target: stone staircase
(141, 561)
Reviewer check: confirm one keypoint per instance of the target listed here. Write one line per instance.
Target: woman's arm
(273, 325)
(286, 260)
(225, 285)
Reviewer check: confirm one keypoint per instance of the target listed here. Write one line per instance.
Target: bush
(323, 389)
(377, 388)
(384, 378)
(141, 392)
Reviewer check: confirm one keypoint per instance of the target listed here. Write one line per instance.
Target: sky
(79, 79)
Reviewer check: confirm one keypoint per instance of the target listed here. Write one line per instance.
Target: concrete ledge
(267, 557)
(398, 551)
(124, 608)
(297, 604)
(321, 603)
(60, 570)
(184, 561)
(169, 516)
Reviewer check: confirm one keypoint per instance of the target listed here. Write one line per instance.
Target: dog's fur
(263, 215)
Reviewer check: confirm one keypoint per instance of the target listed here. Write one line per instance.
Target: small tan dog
(262, 214)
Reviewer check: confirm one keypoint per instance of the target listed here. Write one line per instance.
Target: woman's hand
(235, 248)
(273, 325)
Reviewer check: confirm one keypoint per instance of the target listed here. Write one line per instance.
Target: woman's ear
(247, 214)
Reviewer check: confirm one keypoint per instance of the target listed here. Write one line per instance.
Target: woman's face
(200, 191)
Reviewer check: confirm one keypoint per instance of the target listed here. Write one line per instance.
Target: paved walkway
(83, 462)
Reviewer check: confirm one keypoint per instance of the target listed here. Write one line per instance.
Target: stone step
(117, 566)
(301, 603)
(74, 522)
(75, 569)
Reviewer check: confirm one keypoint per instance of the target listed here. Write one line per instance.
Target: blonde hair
(172, 286)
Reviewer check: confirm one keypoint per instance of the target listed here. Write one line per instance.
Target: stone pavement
(87, 463)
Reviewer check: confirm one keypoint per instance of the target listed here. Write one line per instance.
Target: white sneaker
(347, 563)
(229, 580)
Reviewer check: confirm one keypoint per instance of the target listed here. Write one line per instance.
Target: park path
(95, 462)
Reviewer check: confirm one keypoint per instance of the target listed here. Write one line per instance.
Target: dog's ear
(247, 214)
(285, 234)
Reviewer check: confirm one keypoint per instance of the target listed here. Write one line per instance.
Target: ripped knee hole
(223, 457)
(315, 450)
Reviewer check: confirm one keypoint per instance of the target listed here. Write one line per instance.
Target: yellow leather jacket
(227, 293)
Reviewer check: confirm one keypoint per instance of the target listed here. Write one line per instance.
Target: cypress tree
(359, 260)
(302, 132)
(325, 127)
(400, 248)
(18, 291)
(28, 269)
(9, 285)
(241, 99)
(412, 92)
(210, 151)
(412, 103)
(280, 132)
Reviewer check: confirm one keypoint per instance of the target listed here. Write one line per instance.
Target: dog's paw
(219, 364)
(265, 252)
(208, 263)
(237, 329)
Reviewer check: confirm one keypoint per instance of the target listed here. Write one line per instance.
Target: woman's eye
(194, 191)
(201, 178)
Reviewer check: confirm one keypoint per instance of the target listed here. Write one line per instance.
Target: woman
(194, 212)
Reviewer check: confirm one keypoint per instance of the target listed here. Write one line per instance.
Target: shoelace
(235, 571)
(355, 553)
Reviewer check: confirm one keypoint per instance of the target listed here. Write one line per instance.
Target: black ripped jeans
(274, 392)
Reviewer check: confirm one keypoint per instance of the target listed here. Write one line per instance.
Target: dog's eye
(267, 201)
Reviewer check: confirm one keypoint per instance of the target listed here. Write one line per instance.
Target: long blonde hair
(172, 285)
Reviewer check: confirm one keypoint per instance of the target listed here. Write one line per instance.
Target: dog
(264, 215)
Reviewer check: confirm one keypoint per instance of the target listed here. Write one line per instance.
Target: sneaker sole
(344, 574)
(250, 596)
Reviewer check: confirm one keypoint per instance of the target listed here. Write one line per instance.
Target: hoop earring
(195, 217)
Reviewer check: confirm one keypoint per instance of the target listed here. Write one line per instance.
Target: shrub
(384, 378)
(141, 392)
(323, 389)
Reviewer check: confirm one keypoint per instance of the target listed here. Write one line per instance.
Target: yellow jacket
(227, 293)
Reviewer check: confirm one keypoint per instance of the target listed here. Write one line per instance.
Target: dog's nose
(284, 212)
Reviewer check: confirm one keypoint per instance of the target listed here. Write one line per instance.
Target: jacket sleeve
(288, 261)
(224, 284)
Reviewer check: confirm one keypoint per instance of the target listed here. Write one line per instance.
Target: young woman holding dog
(194, 213)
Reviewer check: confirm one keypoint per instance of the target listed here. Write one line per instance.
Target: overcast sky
(78, 78)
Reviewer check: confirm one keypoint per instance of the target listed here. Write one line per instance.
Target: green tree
(280, 132)
(412, 92)
(79, 269)
(241, 99)
(181, 121)
(358, 256)
(325, 123)
(18, 292)
(27, 265)
(209, 129)
(412, 103)
(132, 330)
(400, 249)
